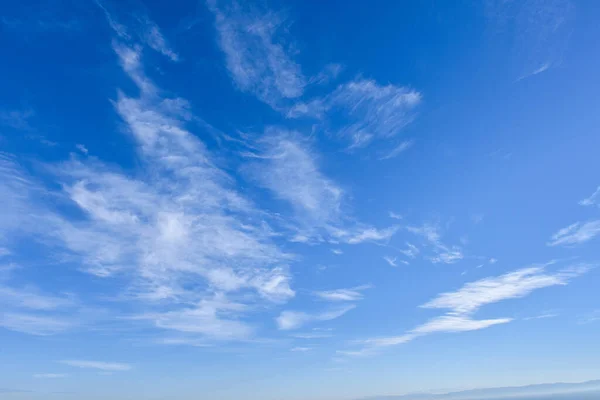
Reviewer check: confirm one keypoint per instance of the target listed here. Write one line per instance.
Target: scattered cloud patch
(372, 235)
(351, 294)
(155, 39)
(463, 303)
(34, 324)
(301, 349)
(401, 148)
(594, 199)
(289, 320)
(542, 316)
(432, 235)
(17, 119)
(329, 73)
(50, 376)
(366, 109)
(411, 250)
(312, 335)
(394, 215)
(256, 55)
(337, 251)
(391, 261)
(577, 233)
(290, 170)
(101, 365)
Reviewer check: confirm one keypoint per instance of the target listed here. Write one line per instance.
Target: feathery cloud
(394, 215)
(390, 260)
(577, 233)
(370, 111)
(372, 234)
(256, 54)
(594, 199)
(432, 234)
(289, 169)
(350, 294)
(33, 324)
(30, 298)
(401, 148)
(466, 301)
(312, 335)
(50, 376)
(177, 229)
(301, 349)
(512, 285)
(289, 320)
(411, 250)
(144, 29)
(104, 366)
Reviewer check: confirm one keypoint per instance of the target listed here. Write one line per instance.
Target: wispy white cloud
(177, 229)
(466, 301)
(50, 376)
(372, 234)
(155, 39)
(329, 73)
(432, 234)
(337, 251)
(401, 148)
(289, 168)
(33, 324)
(118, 28)
(211, 318)
(301, 349)
(256, 55)
(312, 335)
(594, 199)
(350, 294)
(372, 111)
(428, 231)
(394, 215)
(545, 315)
(31, 298)
(411, 250)
(540, 31)
(289, 320)
(456, 323)
(81, 148)
(17, 119)
(143, 29)
(101, 365)
(517, 284)
(287, 165)
(390, 260)
(448, 256)
(577, 233)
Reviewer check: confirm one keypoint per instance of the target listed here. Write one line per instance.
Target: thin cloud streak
(289, 320)
(372, 111)
(350, 294)
(574, 234)
(256, 60)
(101, 365)
(466, 301)
(594, 199)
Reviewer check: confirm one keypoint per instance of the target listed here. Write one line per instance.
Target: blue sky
(297, 200)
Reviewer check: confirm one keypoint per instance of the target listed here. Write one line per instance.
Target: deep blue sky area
(298, 200)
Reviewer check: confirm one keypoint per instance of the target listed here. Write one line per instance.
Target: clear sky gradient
(297, 200)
